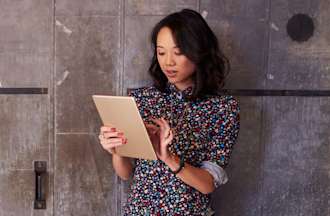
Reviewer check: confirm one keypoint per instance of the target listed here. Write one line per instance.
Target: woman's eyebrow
(158, 46)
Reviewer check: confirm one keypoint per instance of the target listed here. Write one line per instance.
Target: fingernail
(113, 129)
(120, 133)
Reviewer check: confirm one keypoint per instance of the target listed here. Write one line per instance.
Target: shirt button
(180, 95)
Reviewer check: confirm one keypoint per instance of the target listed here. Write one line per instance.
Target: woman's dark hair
(198, 43)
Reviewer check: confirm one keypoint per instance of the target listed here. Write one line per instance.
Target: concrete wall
(281, 163)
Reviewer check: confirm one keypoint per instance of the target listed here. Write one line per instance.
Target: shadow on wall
(241, 195)
(238, 196)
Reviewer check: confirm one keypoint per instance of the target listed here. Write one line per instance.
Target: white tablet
(122, 113)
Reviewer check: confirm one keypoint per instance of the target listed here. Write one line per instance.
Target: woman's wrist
(174, 163)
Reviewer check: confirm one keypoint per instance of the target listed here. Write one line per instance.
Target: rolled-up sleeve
(218, 173)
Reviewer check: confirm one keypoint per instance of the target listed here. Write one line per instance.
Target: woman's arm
(198, 178)
(225, 135)
(123, 166)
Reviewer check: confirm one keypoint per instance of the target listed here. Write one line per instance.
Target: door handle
(40, 169)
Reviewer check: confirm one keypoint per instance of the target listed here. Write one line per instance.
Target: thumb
(152, 128)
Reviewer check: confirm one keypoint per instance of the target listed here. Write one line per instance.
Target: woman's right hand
(110, 138)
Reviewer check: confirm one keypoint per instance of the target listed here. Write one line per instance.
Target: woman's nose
(169, 60)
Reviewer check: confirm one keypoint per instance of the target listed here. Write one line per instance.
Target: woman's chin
(172, 80)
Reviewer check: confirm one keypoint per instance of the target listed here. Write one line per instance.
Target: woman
(192, 128)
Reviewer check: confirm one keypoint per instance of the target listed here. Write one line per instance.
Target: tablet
(122, 113)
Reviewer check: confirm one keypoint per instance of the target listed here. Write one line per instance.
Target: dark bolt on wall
(300, 27)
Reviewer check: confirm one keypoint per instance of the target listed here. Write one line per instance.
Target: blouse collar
(172, 89)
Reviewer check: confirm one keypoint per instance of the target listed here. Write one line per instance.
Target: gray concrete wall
(281, 163)
(26, 131)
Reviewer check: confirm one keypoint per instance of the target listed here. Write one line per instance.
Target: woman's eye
(178, 53)
(160, 54)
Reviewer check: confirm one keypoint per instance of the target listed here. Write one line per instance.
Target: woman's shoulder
(219, 108)
(221, 102)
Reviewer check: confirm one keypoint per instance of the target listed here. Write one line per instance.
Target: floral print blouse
(205, 130)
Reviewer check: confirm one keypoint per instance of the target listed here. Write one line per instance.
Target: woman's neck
(183, 86)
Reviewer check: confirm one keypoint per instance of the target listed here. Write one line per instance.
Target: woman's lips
(170, 73)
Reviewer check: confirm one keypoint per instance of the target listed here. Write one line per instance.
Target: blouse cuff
(219, 174)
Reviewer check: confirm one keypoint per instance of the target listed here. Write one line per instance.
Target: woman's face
(177, 67)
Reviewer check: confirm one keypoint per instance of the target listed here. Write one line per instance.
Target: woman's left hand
(161, 136)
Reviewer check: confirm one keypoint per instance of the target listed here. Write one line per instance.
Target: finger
(107, 129)
(146, 123)
(149, 124)
(107, 145)
(160, 123)
(157, 121)
(114, 140)
(170, 137)
(101, 137)
(166, 124)
(164, 132)
(152, 128)
(107, 135)
(151, 132)
(166, 128)
(115, 144)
